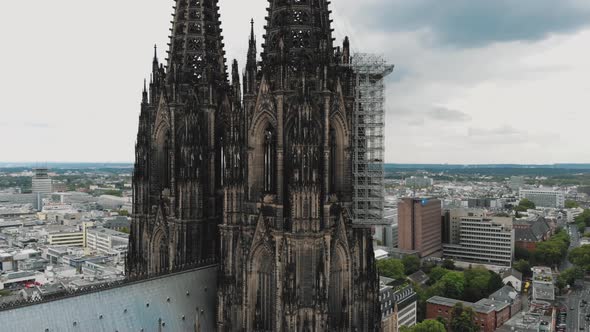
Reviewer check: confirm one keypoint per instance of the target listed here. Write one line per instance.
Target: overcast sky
(497, 81)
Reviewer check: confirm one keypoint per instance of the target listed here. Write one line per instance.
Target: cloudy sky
(475, 81)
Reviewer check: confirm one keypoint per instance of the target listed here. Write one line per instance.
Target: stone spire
(299, 31)
(235, 77)
(196, 52)
(251, 66)
(251, 62)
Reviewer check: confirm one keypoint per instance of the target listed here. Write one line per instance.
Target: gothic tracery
(255, 173)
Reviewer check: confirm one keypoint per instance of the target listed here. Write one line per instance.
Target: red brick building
(489, 314)
(528, 233)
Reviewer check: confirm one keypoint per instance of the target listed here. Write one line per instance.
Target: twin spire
(196, 53)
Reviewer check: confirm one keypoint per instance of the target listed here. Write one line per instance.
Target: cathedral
(255, 172)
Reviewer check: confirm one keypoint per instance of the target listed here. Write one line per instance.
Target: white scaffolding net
(368, 138)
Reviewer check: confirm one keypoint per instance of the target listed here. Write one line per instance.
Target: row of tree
(398, 268)
(583, 220)
(580, 257)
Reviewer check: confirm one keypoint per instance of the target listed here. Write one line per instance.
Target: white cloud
(77, 67)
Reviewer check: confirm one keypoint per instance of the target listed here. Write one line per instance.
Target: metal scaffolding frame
(368, 138)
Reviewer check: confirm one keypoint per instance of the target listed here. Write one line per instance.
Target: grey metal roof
(180, 301)
(512, 272)
(419, 277)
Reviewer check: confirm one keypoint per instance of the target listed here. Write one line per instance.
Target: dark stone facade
(259, 176)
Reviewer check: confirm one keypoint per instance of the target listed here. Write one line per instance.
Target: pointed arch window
(333, 160)
(269, 159)
(163, 257)
(164, 160)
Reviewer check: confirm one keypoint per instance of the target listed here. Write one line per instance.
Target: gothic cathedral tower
(259, 177)
(291, 258)
(177, 179)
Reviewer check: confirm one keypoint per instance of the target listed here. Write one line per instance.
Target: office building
(59, 187)
(386, 235)
(41, 182)
(544, 198)
(108, 242)
(66, 236)
(516, 182)
(419, 182)
(419, 225)
(451, 223)
(483, 240)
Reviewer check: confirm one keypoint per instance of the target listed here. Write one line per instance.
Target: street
(578, 312)
(574, 243)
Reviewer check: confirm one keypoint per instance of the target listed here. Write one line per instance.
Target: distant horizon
(46, 163)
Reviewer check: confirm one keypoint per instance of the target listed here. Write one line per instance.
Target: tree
(411, 264)
(125, 230)
(553, 251)
(477, 281)
(391, 268)
(429, 325)
(526, 204)
(496, 282)
(463, 319)
(436, 274)
(427, 266)
(580, 257)
(448, 264)
(523, 267)
(450, 285)
(583, 220)
(423, 296)
(547, 253)
(521, 253)
(571, 204)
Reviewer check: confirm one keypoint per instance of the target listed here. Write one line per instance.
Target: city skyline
(508, 90)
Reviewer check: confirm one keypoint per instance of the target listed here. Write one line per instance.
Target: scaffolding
(368, 138)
